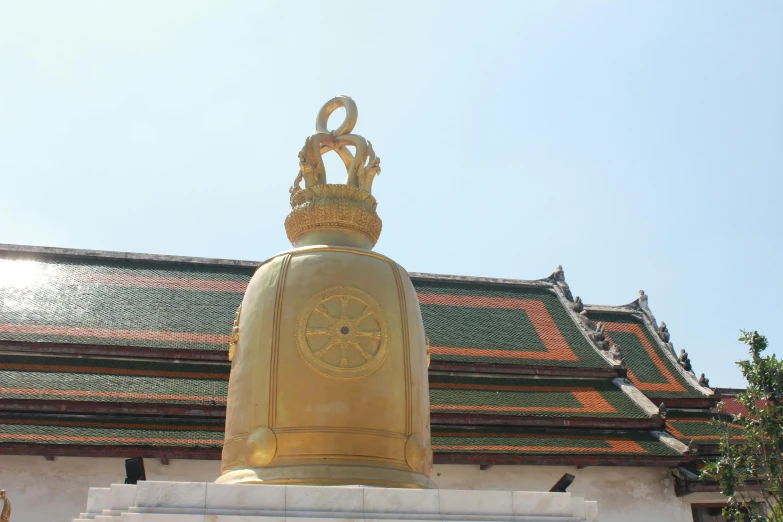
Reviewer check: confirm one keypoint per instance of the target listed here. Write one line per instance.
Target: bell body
(329, 378)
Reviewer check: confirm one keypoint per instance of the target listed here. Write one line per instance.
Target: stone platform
(208, 502)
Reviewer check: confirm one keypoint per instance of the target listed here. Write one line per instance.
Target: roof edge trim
(623, 309)
(670, 441)
(57, 450)
(637, 396)
(445, 278)
(121, 256)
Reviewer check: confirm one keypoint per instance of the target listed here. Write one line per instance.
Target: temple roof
(174, 305)
(112, 350)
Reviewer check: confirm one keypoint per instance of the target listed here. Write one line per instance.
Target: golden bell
(329, 367)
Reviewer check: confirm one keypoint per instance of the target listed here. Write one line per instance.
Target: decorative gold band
(333, 206)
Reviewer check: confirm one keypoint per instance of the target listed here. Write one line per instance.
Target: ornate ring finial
(351, 116)
(349, 207)
(362, 165)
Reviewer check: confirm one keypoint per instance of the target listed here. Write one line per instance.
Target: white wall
(42, 491)
(637, 494)
(57, 491)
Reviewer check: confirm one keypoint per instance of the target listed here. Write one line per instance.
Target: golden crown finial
(362, 165)
(341, 210)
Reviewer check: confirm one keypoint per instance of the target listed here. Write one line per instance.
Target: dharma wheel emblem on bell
(329, 360)
(343, 333)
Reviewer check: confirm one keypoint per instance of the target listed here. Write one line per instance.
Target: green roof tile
(699, 427)
(525, 397)
(479, 323)
(70, 386)
(73, 430)
(120, 303)
(133, 303)
(201, 433)
(632, 444)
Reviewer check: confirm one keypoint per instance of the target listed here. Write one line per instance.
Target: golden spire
(335, 213)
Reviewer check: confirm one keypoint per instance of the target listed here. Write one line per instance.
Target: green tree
(750, 470)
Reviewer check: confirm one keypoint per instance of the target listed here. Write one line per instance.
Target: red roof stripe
(113, 334)
(175, 283)
(677, 433)
(616, 445)
(592, 401)
(82, 438)
(119, 395)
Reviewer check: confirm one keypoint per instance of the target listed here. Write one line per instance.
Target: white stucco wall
(42, 491)
(638, 494)
(57, 491)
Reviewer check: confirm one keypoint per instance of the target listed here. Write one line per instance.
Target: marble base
(208, 502)
(327, 475)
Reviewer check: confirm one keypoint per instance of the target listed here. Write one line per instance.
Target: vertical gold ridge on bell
(329, 361)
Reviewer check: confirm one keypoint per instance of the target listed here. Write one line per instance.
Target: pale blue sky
(638, 144)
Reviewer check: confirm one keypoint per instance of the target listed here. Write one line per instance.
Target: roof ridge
(7, 248)
(122, 256)
(424, 276)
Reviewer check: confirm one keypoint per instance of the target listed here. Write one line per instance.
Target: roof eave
(564, 459)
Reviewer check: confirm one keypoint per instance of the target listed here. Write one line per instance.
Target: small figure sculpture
(586, 320)
(598, 336)
(642, 299)
(703, 381)
(577, 306)
(663, 332)
(684, 361)
(614, 351)
(599, 328)
(558, 277)
(662, 410)
(5, 514)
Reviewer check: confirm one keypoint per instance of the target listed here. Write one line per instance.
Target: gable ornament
(614, 352)
(684, 360)
(663, 332)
